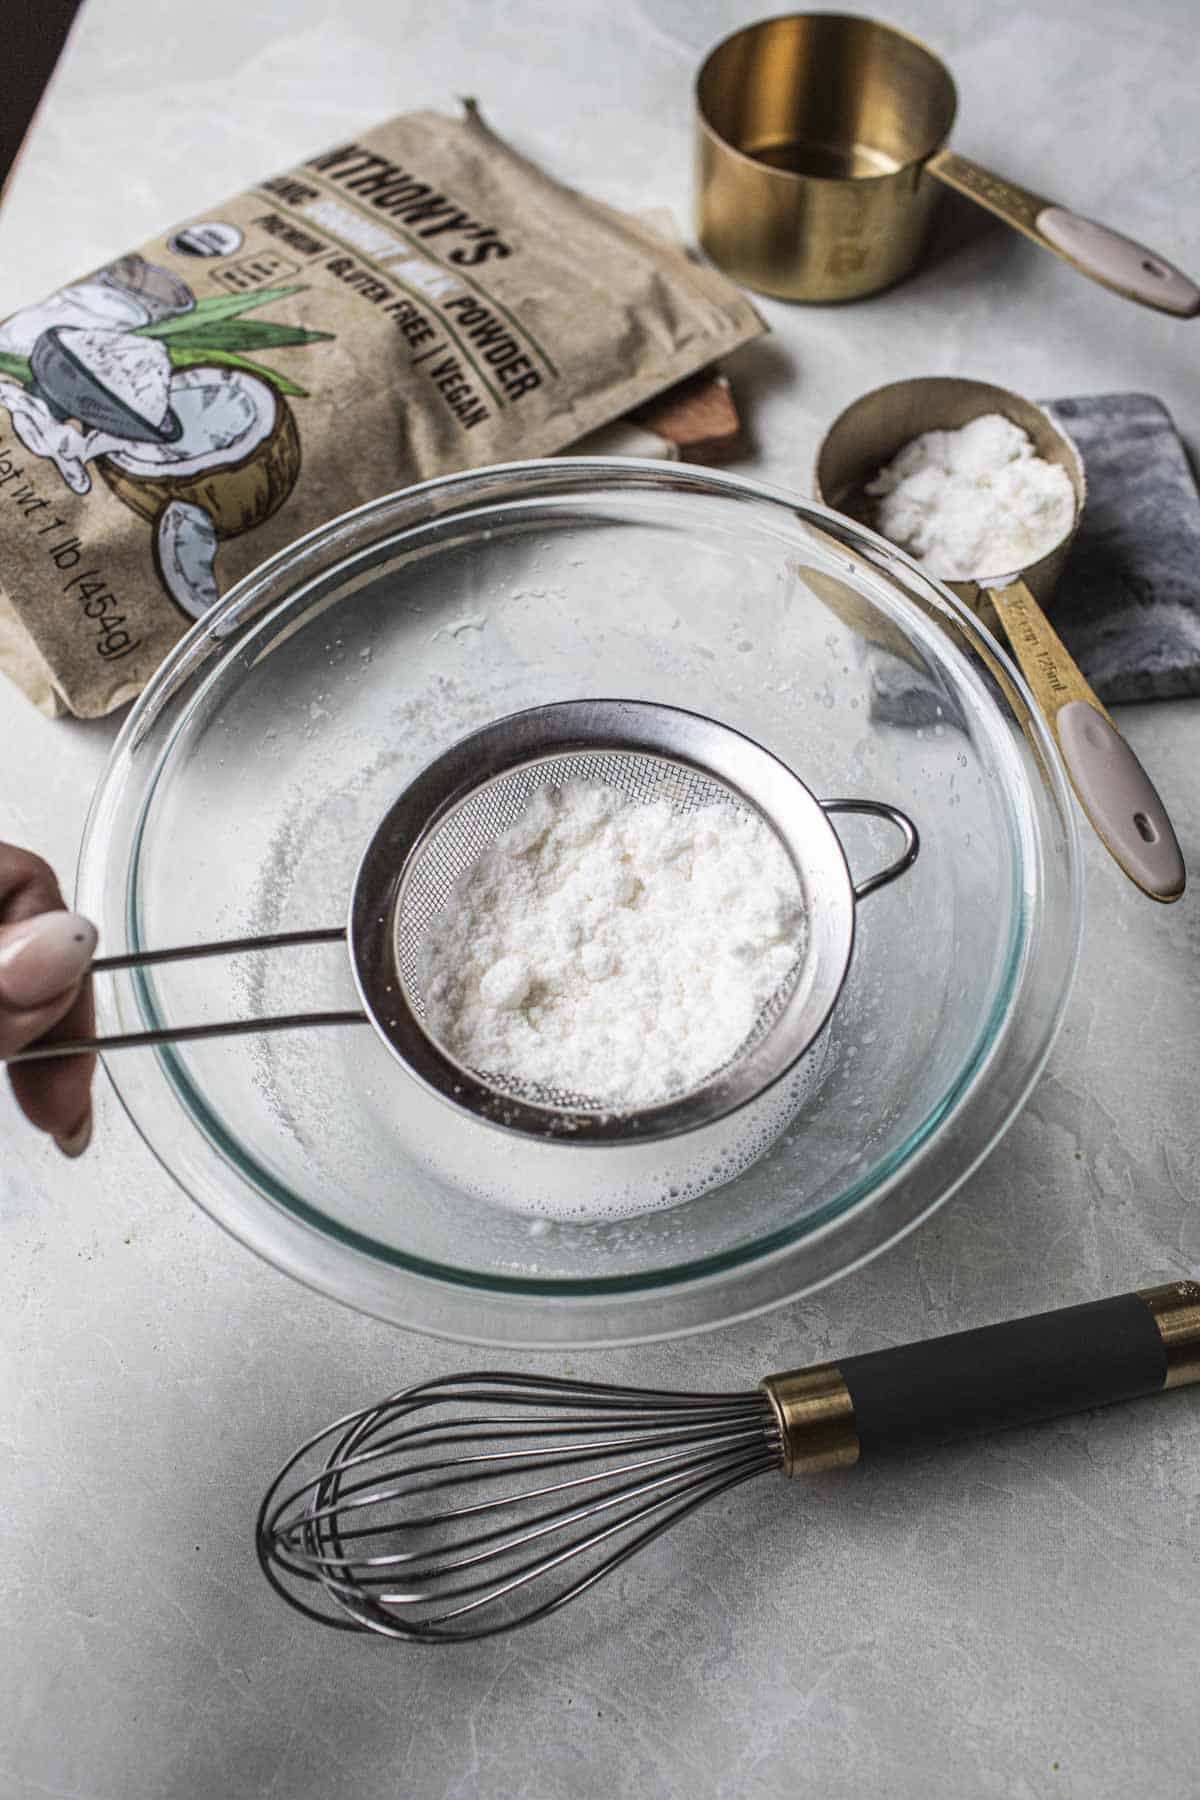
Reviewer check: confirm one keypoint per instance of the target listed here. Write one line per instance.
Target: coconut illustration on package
(233, 464)
(122, 296)
(129, 374)
(112, 381)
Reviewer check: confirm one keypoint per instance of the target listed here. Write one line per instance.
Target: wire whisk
(473, 1504)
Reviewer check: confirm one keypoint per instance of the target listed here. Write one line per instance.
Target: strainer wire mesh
(454, 843)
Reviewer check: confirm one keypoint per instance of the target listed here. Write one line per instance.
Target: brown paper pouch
(418, 301)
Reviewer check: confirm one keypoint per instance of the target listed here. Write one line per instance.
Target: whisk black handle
(1001, 1375)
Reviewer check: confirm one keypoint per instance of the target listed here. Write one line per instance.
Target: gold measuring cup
(816, 137)
(1110, 783)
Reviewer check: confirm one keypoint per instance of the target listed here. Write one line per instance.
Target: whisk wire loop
(546, 1491)
(364, 1496)
(484, 1543)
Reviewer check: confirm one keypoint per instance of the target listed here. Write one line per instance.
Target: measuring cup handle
(1103, 255)
(879, 809)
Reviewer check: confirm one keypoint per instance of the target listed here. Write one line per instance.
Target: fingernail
(44, 957)
(74, 1143)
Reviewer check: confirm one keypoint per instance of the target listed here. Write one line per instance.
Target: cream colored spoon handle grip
(1116, 262)
(1110, 783)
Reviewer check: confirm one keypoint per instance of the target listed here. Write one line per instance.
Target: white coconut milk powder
(974, 503)
(613, 949)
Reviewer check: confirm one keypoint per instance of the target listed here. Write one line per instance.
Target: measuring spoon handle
(1104, 255)
(1110, 783)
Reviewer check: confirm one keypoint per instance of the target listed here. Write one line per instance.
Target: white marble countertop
(1017, 1618)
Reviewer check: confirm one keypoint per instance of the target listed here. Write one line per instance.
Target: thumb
(44, 994)
(41, 960)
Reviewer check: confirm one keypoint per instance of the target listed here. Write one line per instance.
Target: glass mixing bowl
(253, 771)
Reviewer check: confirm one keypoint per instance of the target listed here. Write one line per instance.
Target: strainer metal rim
(711, 748)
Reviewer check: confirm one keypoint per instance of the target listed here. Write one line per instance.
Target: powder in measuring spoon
(610, 948)
(973, 503)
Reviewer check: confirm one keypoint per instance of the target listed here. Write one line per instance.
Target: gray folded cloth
(1128, 603)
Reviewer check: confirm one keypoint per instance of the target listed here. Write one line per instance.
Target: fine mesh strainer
(461, 803)
(476, 822)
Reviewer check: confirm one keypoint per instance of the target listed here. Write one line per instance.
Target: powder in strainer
(612, 948)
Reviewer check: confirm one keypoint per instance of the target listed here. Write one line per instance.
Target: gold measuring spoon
(1110, 783)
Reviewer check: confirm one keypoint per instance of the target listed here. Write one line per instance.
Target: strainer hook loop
(879, 809)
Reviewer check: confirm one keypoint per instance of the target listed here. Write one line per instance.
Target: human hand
(44, 992)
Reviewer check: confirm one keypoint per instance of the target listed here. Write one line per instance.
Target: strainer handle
(879, 809)
(190, 1034)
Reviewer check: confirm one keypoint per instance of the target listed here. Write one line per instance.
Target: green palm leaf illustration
(243, 334)
(214, 307)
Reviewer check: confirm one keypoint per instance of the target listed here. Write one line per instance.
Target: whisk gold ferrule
(816, 1420)
(1176, 1310)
